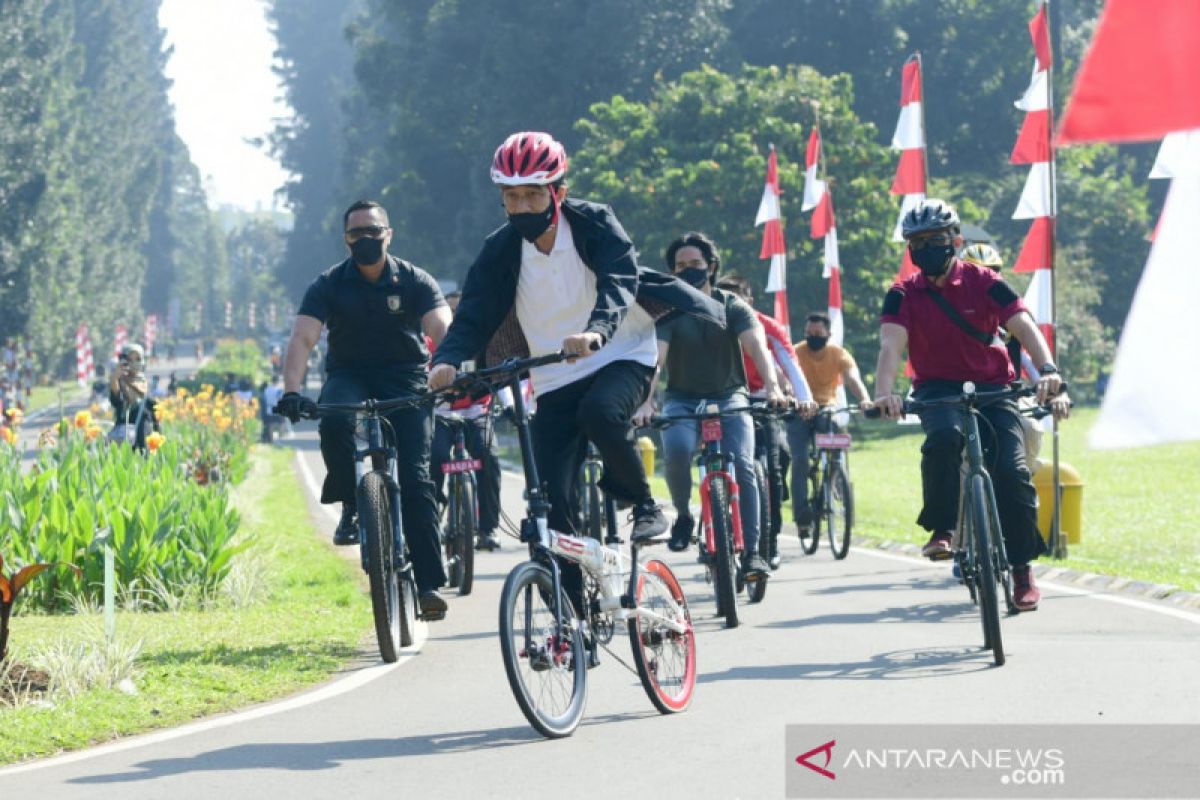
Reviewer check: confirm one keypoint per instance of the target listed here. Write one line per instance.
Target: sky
(224, 92)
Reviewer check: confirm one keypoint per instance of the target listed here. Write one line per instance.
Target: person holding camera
(133, 409)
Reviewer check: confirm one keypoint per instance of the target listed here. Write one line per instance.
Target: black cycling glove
(294, 405)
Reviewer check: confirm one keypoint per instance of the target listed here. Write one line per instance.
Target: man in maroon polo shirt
(943, 355)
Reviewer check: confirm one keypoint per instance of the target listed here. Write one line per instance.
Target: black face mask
(933, 261)
(533, 224)
(366, 251)
(696, 276)
(816, 342)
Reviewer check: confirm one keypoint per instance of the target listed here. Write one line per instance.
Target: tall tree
(315, 64)
(440, 84)
(694, 156)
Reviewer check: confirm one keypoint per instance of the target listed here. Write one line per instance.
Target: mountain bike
(547, 644)
(462, 507)
(383, 548)
(721, 518)
(979, 551)
(831, 495)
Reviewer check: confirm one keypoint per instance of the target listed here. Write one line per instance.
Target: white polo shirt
(555, 297)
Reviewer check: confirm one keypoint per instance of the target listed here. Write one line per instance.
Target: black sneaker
(773, 558)
(648, 522)
(487, 541)
(681, 534)
(433, 606)
(347, 529)
(754, 568)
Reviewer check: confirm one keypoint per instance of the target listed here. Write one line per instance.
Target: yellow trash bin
(1071, 515)
(646, 448)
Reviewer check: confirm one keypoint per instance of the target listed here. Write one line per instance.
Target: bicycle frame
(973, 464)
(607, 565)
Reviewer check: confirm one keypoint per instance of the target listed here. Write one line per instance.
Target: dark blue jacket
(486, 321)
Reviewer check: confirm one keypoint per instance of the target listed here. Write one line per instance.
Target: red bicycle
(721, 517)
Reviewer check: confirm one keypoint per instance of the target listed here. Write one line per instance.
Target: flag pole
(924, 133)
(1058, 542)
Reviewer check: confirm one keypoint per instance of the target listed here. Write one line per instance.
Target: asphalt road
(876, 638)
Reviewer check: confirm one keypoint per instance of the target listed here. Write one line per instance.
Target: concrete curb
(1161, 592)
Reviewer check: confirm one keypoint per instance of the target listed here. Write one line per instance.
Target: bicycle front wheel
(764, 509)
(466, 527)
(545, 662)
(725, 562)
(839, 510)
(665, 659)
(375, 520)
(816, 510)
(985, 572)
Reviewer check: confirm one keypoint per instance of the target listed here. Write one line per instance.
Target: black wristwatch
(1048, 369)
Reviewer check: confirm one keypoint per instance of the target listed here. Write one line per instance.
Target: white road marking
(314, 488)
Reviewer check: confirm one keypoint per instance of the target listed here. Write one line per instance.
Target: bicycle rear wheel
(375, 520)
(408, 608)
(839, 510)
(725, 564)
(665, 659)
(467, 528)
(981, 524)
(546, 671)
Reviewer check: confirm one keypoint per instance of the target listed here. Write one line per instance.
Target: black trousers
(413, 428)
(481, 444)
(597, 408)
(1004, 454)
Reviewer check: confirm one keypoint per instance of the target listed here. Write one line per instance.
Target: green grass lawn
(311, 618)
(1141, 508)
(44, 396)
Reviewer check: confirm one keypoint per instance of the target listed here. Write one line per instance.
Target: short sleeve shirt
(374, 324)
(938, 349)
(823, 369)
(704, 361)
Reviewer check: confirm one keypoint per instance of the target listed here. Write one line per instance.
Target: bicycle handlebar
(490, 377)
(973, 399)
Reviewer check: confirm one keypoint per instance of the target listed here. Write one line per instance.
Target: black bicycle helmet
(929, 215)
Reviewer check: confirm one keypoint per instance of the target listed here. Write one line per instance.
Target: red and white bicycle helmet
(529, 157)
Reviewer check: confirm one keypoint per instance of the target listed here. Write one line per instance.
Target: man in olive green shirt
(704, 366)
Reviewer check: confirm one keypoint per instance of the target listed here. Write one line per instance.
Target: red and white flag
(909, 139)
(1140, 80)
(773, 246)
(818, 199)
(1037, 198)
(85, 370)
(150, 333)
(120, 339)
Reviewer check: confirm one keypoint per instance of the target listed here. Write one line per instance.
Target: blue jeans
(679, 444)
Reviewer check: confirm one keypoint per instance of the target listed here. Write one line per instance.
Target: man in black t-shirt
(378, 309)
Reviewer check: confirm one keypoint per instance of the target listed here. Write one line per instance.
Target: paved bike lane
(876, 638)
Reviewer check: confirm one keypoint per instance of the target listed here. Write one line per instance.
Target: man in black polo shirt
(378, 309)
